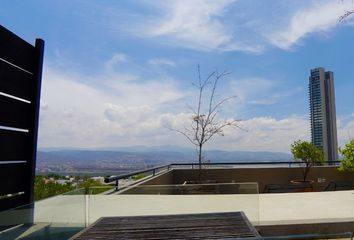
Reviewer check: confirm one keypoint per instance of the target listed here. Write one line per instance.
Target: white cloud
(253, 90)
(345, 131)
(194, 21)
(224, 25)
(161, 62)
(231, 25)
(265, 134)
(62, 92)
(260, 91)
(195, 24)
(127, 115)
(75, 114)
(117, 58)
(115, 62)
(153, 92)
(322, 16)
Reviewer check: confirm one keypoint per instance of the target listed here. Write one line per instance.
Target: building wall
(163, 179)
(323, 112)
(263, 176)
(331, 118)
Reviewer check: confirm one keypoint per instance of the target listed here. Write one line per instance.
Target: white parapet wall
(261, 209)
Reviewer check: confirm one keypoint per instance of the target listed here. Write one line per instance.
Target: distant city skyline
(323, 112)
(120, 73)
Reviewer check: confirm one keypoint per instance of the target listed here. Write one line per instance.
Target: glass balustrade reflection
(57, 217)
(176, 199)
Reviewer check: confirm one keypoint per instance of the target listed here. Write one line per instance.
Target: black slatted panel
(15, 82)
(14, 113)
(16, 51)
(14, 174)
(12, 202)
(34, 118)
(20, 77)
(13, 145)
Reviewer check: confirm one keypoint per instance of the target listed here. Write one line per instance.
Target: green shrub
(347, 164)
(308, 153)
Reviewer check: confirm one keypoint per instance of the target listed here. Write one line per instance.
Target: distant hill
(138, 157)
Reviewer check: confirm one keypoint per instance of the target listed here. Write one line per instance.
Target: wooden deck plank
(233, 225)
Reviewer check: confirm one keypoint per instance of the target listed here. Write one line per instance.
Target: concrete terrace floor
(262, 209)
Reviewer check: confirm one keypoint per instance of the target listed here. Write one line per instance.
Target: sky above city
(120, 73)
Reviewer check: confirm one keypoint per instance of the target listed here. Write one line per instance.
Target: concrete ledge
(295, 229)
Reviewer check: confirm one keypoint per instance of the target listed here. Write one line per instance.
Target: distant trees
(205, 120)
(347, 163)
(47, 186)
(44, 189)
(308, 153)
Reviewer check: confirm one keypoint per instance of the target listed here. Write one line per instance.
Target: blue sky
(120, 73)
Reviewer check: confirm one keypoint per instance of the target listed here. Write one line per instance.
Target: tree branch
(205, 124)
(345, 16)
(184, 134)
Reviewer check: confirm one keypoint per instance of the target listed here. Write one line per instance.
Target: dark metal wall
(263, 176)
(20, 84)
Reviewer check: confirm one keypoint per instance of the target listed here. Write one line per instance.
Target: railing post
(153, 172)
(116, 185)
(87, 208)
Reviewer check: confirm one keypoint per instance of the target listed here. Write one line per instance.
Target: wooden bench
(288, 188)
(232, 225)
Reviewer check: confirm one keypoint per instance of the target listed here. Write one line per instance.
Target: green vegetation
(308, 153)
(92, 186)
(139, 176)
(48, 186)
(347, 163)
(44, 188)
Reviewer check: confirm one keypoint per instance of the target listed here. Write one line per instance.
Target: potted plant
(309, 154)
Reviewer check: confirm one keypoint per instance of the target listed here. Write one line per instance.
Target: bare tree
(205, 123)
(345, 16)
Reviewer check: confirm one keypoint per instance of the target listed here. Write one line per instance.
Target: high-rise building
(323, 113)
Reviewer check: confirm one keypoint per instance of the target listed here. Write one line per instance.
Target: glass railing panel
(16, 216)
(194, 189)
(68, 208)
(58, 217)
(101, 190)
(177, 199)
(328, 207)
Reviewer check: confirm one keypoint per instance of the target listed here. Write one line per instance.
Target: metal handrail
(124, 176)
(170, 166)
(253, 163)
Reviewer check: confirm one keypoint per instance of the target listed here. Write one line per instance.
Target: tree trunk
(306, 171)
(200, 163)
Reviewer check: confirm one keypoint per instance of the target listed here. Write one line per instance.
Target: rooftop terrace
(163, 193)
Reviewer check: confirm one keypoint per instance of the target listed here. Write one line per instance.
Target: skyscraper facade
(323, 113)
